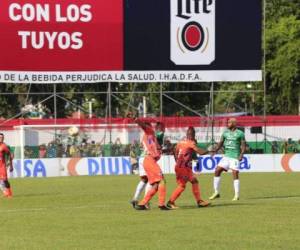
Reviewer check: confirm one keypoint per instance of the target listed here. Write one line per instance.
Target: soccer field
(94, 213)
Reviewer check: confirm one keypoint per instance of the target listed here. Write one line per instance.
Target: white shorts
(229, 163)
(141, 167)
(142, 171)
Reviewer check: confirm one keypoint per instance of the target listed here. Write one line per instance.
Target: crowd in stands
(90, 148)
(286, 147)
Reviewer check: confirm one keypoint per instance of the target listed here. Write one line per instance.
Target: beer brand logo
(192, 36)
(192, 32)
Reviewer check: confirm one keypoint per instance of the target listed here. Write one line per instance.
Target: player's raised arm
(176, 152)
(143, 124)
(201, 151)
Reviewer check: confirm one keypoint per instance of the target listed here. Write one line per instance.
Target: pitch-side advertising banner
(122, 166)
(74, 41)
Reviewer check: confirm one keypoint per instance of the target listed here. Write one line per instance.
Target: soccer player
(4, 150)
(143, 183)
(154, 174)
(234, 144)
(183, 169)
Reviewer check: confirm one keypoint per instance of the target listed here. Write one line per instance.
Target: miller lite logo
(193, 32)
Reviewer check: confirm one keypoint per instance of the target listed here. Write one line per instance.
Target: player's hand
(212, 152)
(240, 157)
(11, 168)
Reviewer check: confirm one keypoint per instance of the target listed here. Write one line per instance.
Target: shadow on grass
(275, 197)
(233, 204)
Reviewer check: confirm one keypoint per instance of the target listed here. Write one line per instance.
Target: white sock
(139, 189)
(217, 180)
(148, 187)
(236, 185)
(2, 187)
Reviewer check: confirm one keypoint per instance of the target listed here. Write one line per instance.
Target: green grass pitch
(94, 213)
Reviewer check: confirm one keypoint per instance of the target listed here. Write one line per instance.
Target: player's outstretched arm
(142, 124)
(219, 146)
(243, 149)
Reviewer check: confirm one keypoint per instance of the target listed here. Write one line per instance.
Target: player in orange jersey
(4, 150)
(154, 174)
(183, 169)
(143, 183)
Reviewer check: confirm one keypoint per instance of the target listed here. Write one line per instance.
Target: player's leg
(222, 166)
(7, 192)
(234, 166)
(181, 184)
(155, 178)
(162, 192)
(2, 187)
(197, 193)
(148, 197)
(236, 185)
(147, 188)
(181, 181)
(139, 189)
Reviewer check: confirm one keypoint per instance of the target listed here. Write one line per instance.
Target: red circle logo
(192, 36)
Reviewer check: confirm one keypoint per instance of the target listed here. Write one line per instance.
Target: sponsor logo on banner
(32, 168)
(290, 162)
(193, 32)
(208, 163)
(99, 166)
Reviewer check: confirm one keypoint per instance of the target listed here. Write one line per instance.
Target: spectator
(287, 147)
(28, 152)
(117, 148)
(42, 151)
(297, 147)
(168, 148)
(133, 160)
(275, 147)
(74, 151)
(51, 150)
(283, 148)
(248, 149)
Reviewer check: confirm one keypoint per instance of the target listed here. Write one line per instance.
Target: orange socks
(176, 193)
(7, 193)
(148, 196)
(162, 191)
(196, 191)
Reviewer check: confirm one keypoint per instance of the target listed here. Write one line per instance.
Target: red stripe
(170, 122)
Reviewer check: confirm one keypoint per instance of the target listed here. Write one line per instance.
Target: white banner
(129, 76)
(121, 165)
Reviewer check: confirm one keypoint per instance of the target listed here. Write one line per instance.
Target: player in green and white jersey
(234, 144)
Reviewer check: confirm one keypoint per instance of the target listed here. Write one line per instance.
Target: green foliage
(240, 97)
(282, 64)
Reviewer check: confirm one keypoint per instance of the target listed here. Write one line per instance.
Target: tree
(283, 57)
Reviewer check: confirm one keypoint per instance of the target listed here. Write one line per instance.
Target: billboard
(54, 167)
(130, 41)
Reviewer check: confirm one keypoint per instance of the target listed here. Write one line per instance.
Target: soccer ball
(73, 131)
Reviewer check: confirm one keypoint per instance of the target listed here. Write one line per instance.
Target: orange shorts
(152, 170)
(3, 172)
(184, 174)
